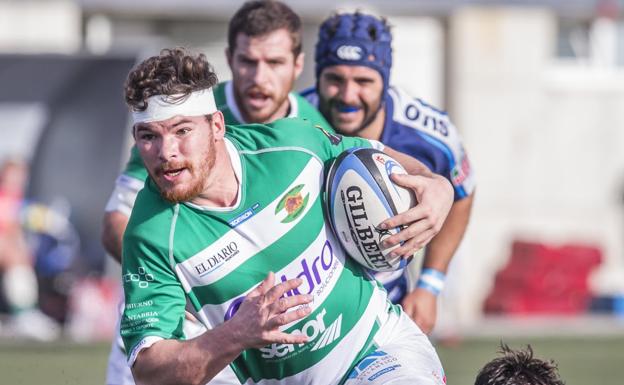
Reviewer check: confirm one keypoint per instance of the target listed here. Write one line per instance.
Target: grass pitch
(58, 363)
(582, 361)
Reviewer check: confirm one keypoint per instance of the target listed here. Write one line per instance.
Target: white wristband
(431, 280)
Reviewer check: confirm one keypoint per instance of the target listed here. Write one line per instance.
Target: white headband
(163, 107)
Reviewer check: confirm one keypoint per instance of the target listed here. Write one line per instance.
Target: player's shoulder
(415, 113)
(150, 215)
(224, 100)
(292, 132)
(304, 107)
(309, 111)
(292, 123)
(304, 130)
(289, 129)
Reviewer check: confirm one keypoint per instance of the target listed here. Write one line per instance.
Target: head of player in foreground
(178, 130)
(518, 367)
(264, 55)
(353, 60)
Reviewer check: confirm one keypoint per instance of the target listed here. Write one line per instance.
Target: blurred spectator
(55, 244)
(19, 281)
(518, 367)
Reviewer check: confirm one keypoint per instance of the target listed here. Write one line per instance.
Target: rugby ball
(359, 195)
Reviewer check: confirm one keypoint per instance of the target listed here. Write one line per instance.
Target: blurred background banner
(536, 89)
(70, 121)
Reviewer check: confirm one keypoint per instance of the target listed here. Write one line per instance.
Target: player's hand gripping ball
(359, 196)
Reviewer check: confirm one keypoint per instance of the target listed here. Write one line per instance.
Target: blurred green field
(582, 361)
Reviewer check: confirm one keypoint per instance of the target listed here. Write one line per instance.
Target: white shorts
(118, 372)
(404, 357)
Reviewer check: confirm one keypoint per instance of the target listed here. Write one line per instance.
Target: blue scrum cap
(355, 39)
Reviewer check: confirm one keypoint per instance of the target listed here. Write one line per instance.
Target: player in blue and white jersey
(353, 61)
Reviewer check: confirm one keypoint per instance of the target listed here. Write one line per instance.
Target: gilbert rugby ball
(359, 195)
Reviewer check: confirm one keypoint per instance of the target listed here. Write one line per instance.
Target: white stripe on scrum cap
(163, 107)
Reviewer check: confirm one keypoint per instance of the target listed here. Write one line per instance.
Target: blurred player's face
(350, 97)
(264, 70)
(179, 154)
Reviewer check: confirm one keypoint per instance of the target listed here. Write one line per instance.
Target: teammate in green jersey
(265, 57)
(233, 223)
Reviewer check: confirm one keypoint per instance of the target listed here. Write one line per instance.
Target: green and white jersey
(224, 99)
(213, 257)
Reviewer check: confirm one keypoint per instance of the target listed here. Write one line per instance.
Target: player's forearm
(193, 362)
(114, 225)
(412, 165)
(442, 247)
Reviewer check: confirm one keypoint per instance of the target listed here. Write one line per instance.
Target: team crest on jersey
(333, 138)
(293, 202)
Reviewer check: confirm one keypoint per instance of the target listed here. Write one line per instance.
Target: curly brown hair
(260, 17)
(518, 367)
(174, 72)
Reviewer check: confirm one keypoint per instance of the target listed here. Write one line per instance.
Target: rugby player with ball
(265, 56)
(281, 301)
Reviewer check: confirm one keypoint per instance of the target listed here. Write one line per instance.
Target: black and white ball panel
(359, 196)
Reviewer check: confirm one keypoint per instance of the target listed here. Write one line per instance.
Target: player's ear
(218, 125)
(299, 59)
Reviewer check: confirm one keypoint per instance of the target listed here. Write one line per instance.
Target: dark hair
(518, 367)
(258, 18)
(173, 72)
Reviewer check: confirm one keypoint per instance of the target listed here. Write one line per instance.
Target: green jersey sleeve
(154, 298)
